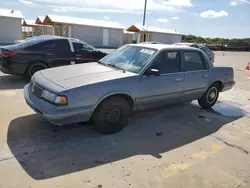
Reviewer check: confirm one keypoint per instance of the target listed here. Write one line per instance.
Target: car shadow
(46, 151)
(11, 82)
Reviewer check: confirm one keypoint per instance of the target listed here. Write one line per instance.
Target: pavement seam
(232, 145)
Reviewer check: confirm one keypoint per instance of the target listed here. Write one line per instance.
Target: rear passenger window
(167, 62)
(194, 61)
(51, 45)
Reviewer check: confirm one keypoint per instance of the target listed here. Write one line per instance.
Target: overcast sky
(207, 18)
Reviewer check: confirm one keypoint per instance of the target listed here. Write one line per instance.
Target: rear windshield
(30, 42)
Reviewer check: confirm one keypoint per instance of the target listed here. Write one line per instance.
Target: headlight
(59, 100)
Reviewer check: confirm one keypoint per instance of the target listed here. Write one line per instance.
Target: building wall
(127, 38)
(10, 30)
(165, 38)
(94, 35)
(115, 37)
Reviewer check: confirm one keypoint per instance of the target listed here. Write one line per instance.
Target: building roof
(11, 13)
(32, 23)
(137, 28)
(50, 19)
(40, 19)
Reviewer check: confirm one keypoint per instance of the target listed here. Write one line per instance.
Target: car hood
(83, 74)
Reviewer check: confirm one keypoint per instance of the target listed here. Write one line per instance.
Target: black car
(32, 55)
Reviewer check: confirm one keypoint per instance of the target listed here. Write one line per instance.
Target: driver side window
(80, 47)
(167, 62)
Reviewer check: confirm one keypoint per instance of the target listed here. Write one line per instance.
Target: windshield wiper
(116, 67)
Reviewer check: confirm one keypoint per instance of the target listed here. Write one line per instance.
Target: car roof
(184, 43)
(164, 46)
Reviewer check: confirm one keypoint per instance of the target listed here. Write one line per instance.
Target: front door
(197, 75)
(165, 88)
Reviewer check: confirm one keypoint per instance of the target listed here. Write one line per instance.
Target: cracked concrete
(234, 146)
(194, 147)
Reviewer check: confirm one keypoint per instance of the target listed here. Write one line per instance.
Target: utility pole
(145, 10)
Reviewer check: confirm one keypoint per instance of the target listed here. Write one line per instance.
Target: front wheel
(210, 97)
(111, 115)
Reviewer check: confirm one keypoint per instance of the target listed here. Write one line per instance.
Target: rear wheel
(111, 115)
(34, 67)
(210, 96)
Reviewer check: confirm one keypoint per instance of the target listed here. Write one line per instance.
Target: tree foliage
(245, 42)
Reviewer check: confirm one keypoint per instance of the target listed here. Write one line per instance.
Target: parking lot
(176, 146)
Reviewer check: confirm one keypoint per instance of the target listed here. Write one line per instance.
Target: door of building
(105, 37)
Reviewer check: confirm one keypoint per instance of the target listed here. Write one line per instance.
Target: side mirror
(153, 72)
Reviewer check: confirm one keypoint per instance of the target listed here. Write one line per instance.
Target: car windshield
(129, 58)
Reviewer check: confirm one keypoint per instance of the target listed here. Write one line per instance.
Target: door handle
(205, 76)
(177, 79)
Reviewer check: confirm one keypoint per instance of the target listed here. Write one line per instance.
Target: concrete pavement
(175, 146)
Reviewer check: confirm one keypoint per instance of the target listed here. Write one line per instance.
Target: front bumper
(54, 114)
(228, 85)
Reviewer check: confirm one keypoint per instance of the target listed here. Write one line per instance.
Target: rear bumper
(55, 115)
(228, 85)
(13, 68)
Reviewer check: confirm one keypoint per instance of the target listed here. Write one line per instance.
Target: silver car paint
(86, 85)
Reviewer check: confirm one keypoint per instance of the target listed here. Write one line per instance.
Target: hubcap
(114, 115)
(212, 94)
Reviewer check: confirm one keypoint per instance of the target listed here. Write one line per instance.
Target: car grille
(36, 89)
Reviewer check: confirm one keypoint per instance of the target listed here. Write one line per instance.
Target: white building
(10, 26)
(95, 32)
(145, 33)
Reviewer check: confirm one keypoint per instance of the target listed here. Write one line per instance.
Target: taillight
(9, 54)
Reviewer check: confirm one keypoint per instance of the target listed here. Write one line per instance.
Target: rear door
(196, 74)
(84, 53)
(55, 52)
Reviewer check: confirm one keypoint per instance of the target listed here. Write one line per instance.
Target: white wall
(10, 30)
(165, 38)
(115, 37)
(94, 35)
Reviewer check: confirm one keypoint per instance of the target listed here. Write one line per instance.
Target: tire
(33, 68)
(210, 97)
(111, 115)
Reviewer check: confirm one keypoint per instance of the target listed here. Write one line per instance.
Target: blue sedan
(133, 77)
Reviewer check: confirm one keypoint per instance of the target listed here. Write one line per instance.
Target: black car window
(194, 61)
(51, 45)
(203, 49)
(167, 62)
(81, 47)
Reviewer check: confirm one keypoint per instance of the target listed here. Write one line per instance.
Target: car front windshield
(129, 58)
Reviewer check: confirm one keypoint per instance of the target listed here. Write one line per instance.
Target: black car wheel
(33, 68)
(210, 97)
(111, 115)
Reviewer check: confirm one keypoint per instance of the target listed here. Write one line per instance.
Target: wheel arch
(126, 96)
(34, 62)
(220, 84)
